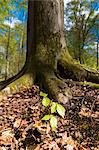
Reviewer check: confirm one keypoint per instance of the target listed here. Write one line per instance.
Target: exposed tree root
(56, 88)
(92, 77)
(23, 78)
(4, 83)
(69, 69)
(89, 84)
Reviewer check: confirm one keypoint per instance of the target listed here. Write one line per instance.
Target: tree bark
(47, 45)
(47, 52)
(7, 53)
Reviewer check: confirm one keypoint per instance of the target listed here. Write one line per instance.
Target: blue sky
(20, 14)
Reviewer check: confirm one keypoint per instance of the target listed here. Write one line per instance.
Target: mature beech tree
(47, 54)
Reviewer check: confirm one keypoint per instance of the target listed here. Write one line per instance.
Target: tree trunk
(97, 56)
(46, 44)
(47, 52)
(20, 50)
(7, 53)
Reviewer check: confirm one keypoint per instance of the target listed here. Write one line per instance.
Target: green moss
(72, 70)
(26, 80)
(71, 67)
(66, 56)
(90, 84)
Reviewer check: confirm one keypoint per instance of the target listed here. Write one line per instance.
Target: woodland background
(81, 31)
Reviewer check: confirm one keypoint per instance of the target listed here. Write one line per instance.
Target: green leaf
(53, 122)
(46, 117)
(46, 101)
(61, 110)
(43, 94)
(53, 107)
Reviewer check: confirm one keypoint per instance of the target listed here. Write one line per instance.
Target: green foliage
(46, 117)
(53, 122)
(81, 20)
(12, 39)
(46, 101)
(61, 110)
(43, 94)
(54, 108)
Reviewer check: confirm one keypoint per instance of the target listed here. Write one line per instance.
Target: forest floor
(21, 127)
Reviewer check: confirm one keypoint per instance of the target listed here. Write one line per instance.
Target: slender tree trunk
(97, 56)
(7, 53)
(21, 50)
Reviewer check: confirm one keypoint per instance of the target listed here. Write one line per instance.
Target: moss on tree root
(46, 78)
(25, 80)
(56, 88)
(70, 69)
(89, 84)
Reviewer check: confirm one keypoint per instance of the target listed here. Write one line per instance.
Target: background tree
(12, 37)
(80, 20)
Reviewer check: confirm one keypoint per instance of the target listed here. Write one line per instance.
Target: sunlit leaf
(53, 107)
(61, 110)
(43, 94)
(46, 117)
(46, 101)
(53, 122)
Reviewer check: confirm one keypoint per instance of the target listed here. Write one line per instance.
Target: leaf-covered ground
(21, 127)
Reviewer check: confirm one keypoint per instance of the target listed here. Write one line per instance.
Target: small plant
(54, 107)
